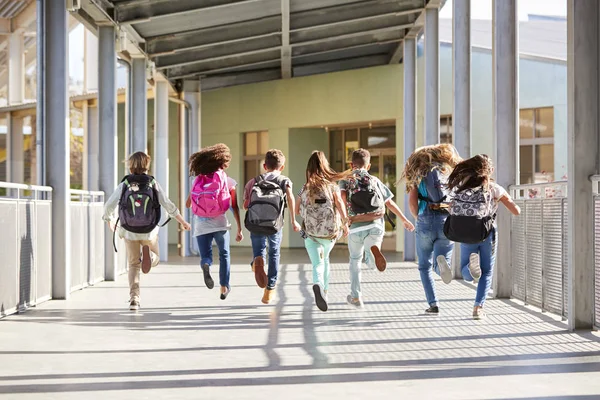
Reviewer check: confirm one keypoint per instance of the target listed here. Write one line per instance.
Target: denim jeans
(357, 243)
(431, 243)
(487, 258)
(318, 252)
(259, 248)
(205, 247)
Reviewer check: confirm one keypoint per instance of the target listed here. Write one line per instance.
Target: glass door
(383, 166)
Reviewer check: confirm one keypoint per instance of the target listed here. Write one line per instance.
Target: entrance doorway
(380, 140)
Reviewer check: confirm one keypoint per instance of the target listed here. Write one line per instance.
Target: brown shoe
(380, 261)
(146, 259)
(268, 296)
(259, 272)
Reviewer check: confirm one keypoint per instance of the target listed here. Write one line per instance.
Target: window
(536, 145)
(446, 129)
(256, 145)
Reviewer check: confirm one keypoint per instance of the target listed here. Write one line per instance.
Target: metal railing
(87, 238)
(539, 246)
(26, 251)
(596, 191)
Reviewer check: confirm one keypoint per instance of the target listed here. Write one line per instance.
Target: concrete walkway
(185, 343)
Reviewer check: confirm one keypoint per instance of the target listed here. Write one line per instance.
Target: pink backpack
(210, 195)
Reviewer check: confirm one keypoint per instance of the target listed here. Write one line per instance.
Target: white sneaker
(445, 271)
(474, 267)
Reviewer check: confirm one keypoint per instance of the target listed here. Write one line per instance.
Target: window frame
(447, 118)
(258, 157)
(536, 141)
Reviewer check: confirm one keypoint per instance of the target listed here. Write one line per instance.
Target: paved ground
(186, 343)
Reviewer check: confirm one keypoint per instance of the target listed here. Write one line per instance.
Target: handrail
(22, 186)
(537, 185)
(87, 192)
(595, 178)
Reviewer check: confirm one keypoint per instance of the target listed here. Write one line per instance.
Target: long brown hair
(210, 159)
(424, 159)
(472, 173)
(320, 175)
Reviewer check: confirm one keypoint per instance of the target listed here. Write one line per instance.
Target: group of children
(450, 199)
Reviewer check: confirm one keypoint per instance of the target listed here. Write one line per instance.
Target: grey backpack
(267, 203)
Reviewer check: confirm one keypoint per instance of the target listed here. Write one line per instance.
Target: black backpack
(265, 210)
(471, 220)
(363, 195)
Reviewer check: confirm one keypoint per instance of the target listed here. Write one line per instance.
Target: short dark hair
(361, 158)
(274, 159)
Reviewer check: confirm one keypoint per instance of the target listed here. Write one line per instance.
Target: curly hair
(210, 159)
(472, 173)
(424, 159)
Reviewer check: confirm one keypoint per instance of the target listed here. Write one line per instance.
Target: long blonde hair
(319, 174)
(424, 159)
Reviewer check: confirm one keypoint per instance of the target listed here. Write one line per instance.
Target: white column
(410, 126)
(107, 114)
(461, 65)
(583, 107)
(161, 154)
(192, 143)
(16, 94)
(92, 147)
(432, 76)
(90, 79)
(56, 111)
(506, 126)
(139, 106)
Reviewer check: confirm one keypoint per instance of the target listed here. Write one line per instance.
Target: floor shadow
(311, 343)
(26, 261)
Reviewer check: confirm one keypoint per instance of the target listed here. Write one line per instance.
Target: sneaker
(146, 259)
(445, 271)
(134, 305)
(268, 296)
(380, 261)
(474, 267)
(258, 266)
(225, 292)
(208, 280)
(320, 298)
(358, 303)
(433, 310)
(478, 313)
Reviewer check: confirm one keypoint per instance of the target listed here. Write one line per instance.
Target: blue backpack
(437, 193)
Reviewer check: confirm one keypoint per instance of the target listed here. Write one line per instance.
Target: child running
(213, 194)
(472, 222)
(139, 198)
(324, 220)
(265, 199)
(426, 173)
(366, 198)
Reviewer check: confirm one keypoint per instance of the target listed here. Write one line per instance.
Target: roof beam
(136, 11)
(286, 49)
(340, 65)
(21, 22)
(216, 82)
(268, 64)
(359, 20)
(397, 53)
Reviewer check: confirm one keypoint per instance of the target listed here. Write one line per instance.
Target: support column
(190, 145)
(92, 147)
(583, 106)
(506, 126)
(107, 114)
(432, 76)
(55, 70)
(90, 79)
(16, 94)
(461, 65)
(410, 126)
(139, 106)
(40, 134)
(161, 154)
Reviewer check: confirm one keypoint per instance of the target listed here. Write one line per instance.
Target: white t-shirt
(203, 225)
(498, 192)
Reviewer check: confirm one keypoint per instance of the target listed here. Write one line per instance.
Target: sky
(480, 9)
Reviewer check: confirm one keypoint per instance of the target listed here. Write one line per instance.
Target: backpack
(435, 183)
(471, 220)
(265, 210)
(319, 214)
(363, 194)
(210, 195)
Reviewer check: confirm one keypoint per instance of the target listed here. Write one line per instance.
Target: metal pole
(108, 143)
(16, 94)
(410, 126)
(192, 95)
(93, 148)
(461, 65)
(57, 114)
(40, 145)
(432, 76)
(139, 106)
(128, 102)
(506, 129)
(161, 153)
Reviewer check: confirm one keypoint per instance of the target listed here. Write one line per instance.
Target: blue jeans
(487, 258)
(259, 248)
(431, 243)
(318, 252)
(357, 242)
(205, 248)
